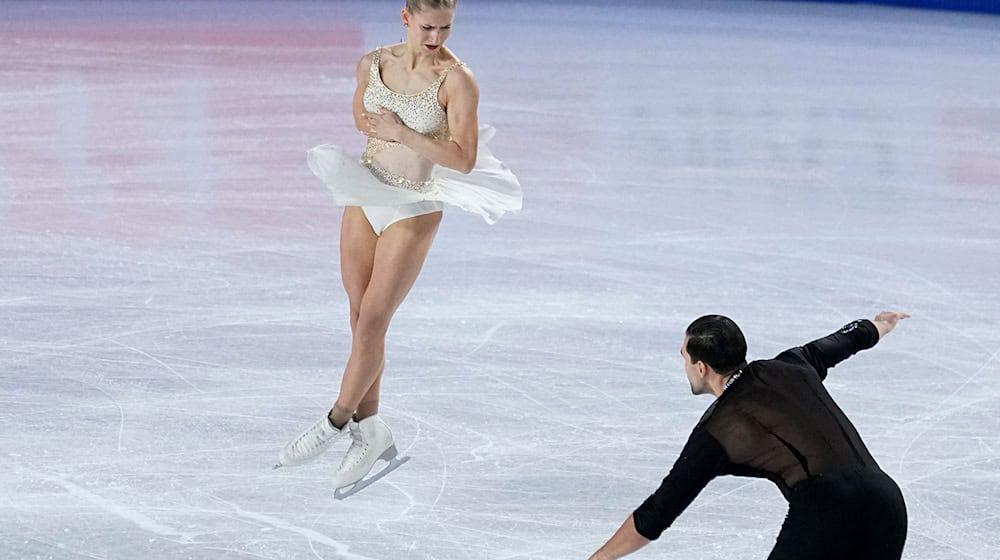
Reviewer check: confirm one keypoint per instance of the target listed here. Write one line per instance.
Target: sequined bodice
(421, 112)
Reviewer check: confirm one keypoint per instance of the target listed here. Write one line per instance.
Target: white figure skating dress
(392, 182)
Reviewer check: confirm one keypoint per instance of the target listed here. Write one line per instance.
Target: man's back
(778, 421)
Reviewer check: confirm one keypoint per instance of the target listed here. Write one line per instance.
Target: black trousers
(843, 517)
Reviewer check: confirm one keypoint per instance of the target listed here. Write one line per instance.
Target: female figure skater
(417, 103)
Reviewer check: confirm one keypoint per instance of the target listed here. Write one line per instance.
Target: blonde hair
(414, 6)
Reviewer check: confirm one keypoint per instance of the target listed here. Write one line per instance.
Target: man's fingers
(892, 316)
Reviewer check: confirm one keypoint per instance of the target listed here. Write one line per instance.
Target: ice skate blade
(348, 491)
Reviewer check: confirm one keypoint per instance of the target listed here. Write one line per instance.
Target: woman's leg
(369, 402)
(357, 257)
(399, 255)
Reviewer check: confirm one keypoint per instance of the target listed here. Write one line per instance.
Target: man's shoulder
(754, 381)
(707, 415)
(789, 361)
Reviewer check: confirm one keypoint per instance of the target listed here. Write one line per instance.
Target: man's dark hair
(717, 341)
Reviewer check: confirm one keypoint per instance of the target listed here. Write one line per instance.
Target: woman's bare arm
(462, 103)
(358, 106)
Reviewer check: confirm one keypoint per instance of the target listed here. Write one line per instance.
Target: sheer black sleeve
(829, 351)
(701, 460)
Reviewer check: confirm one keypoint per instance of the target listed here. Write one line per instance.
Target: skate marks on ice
(111, 506)
(342, 550)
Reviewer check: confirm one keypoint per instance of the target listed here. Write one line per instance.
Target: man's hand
(887, 320)
(626, 541)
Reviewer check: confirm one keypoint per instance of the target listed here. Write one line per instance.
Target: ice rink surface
(171, 310)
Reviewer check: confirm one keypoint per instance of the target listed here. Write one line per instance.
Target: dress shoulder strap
(373, 71)
(444, 74)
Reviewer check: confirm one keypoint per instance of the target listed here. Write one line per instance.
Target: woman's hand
(385, 125)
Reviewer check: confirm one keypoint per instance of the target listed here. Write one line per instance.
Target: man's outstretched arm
(624, 542)
(700, 461)
(826, 352)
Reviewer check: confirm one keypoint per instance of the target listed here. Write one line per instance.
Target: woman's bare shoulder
(366, 59)
(459, 76)
(449, 58)
(383, 52)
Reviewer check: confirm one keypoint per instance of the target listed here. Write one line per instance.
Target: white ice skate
(372, 441)
(310, 443)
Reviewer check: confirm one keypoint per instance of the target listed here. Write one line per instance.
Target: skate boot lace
(310, 439)
(358, 448)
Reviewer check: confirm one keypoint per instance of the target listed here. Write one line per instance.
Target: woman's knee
(355, 314)
(371, 325)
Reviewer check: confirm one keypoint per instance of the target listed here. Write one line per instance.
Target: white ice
(171, 310)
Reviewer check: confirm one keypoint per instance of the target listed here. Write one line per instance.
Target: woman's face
(427, 30)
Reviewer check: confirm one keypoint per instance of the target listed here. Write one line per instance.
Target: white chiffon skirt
(489, 190)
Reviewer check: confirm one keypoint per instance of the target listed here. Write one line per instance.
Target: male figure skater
(774, 419)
